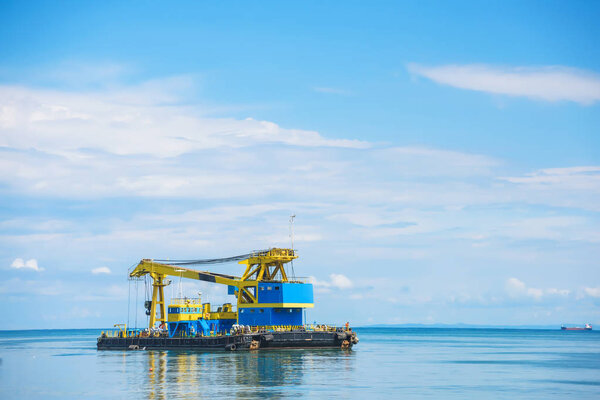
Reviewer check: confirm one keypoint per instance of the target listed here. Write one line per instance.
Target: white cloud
(19, 263)
(558, 292)
(582, 183)
(543, 83)
(235, 182)
(101, 270)
(340, 281)
(586, 177)
(226, 171)
(416, 161)
(592, 292)
(337, 281)
(128, 122)
(517, 288)
(362, 193)
(102, 144)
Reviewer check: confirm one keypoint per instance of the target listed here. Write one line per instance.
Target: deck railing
(242, 329)
(178, 301)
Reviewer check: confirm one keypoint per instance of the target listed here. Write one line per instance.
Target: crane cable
(213, 260)
(128, 300)
(136, 302)
(129, 292)
(146, 296)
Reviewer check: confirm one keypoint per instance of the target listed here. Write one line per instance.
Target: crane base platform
(248, 341)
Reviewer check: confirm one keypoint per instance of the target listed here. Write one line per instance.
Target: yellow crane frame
(260, 266)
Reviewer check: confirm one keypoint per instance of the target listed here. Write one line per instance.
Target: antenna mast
(292, 229)
(292, 238)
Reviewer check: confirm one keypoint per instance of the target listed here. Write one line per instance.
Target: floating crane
(266, 296)
(268, 315)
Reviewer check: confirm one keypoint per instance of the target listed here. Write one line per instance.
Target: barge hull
(252, 341)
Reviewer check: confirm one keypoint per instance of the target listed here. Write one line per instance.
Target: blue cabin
(278, 303)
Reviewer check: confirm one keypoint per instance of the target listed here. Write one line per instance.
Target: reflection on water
(271, 374)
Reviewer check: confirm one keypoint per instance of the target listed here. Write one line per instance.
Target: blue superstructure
(278, 303)
(280, 292)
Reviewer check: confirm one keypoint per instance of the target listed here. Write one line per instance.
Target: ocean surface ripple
(410, 363)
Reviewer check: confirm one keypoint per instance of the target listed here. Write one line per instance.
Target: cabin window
(262, 310)
(262, 288)
(269, 287)
(277, 310)
(252, 310)
(242, 310)
(276, 287)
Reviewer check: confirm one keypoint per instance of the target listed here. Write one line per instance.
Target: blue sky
(443, 159)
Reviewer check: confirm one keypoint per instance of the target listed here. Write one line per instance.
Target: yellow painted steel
(147, 266)
(190, 310)
(260, 266)
(221, 315)
(185, 302)
(122, 332)
(264, 266)
(158, 298)
(194, 310)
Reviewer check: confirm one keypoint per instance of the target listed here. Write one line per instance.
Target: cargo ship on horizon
(587, 327)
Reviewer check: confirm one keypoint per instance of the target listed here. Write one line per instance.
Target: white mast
(292, 229)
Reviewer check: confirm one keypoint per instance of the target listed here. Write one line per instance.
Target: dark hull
(575, 329)
(254, 341)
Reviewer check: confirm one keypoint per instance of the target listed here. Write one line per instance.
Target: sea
(390, 363)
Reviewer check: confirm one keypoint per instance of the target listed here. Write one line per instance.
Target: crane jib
(207, 277)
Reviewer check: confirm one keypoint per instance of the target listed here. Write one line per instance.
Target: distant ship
(587, 327)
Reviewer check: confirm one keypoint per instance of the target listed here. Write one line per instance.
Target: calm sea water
(387, 363)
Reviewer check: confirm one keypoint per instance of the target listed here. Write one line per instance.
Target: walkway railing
(138, 333)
